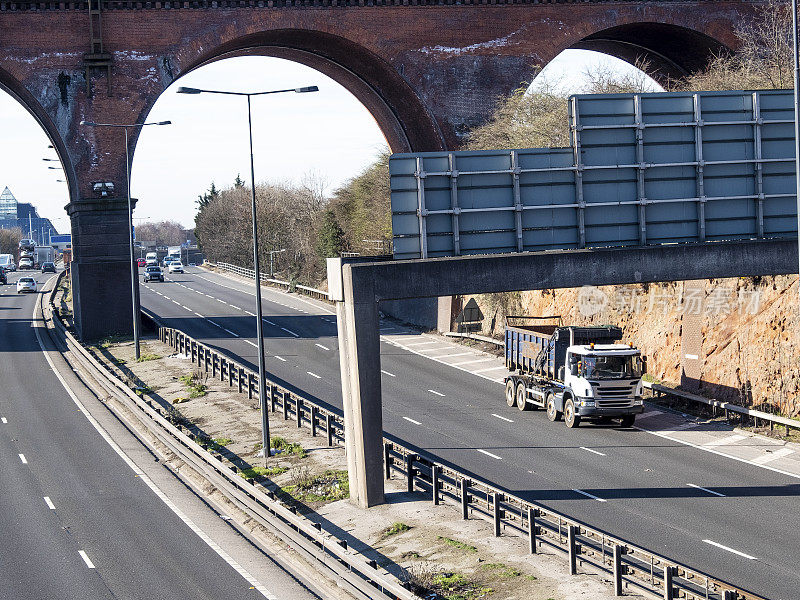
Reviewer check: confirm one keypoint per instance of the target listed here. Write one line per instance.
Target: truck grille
(613, 396)
(619, 403)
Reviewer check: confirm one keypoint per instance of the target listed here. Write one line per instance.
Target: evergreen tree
(330, 237)
(238, 183)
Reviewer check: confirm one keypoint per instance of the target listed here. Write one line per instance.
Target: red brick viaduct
(428, 70)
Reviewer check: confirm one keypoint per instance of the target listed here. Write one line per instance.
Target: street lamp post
(134, 267)
(262, 386)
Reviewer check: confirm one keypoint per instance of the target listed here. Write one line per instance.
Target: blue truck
(572, 372)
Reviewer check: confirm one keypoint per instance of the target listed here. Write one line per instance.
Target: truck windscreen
(612, 367)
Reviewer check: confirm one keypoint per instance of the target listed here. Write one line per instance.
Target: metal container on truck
(574, 372)
(42, 254)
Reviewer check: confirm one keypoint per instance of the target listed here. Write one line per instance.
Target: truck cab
(602, 381)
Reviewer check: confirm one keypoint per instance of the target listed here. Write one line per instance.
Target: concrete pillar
(445, 315)
(360, 364)
(101, 271)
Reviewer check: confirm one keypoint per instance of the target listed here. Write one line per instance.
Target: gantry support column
(360, 363)
(101, 268)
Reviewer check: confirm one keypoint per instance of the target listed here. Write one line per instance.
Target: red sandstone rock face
(427, 72)
(749, 348)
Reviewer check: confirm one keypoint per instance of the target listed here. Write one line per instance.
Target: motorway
(82, 516)
(731, 519)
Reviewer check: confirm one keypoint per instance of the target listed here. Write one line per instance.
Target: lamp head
(303, 90)
(188, 90)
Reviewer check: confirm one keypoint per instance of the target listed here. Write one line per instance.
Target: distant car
(192, 265)
(26, 284)
(151, 262)
(167, 260)
(3, 277)
(153, 274)
(25, 263)
(140, 262)
(175, 267)
(48, 267)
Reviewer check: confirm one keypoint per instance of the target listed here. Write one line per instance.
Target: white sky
(327, 133)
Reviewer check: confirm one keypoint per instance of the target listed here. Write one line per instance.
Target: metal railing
(659, 391)
(287, 285)
(354, 571)
(629, 566)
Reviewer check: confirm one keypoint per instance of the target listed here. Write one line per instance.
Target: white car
(25, 263)
(175, 267)
(26, 284)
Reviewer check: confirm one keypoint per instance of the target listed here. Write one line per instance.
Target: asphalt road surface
(82, 519)
(730, 519)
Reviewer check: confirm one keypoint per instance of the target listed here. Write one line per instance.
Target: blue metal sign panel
(642, 169)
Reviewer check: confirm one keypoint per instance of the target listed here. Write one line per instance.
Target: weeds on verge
(147, 357)
(329, 486)
(286, 447)
(456, 544)
(395, 529)
(195, 384)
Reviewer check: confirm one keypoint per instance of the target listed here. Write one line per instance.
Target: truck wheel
(511, 399)
(627, 420)
(571, 419)
(522, 397)
(550, 405)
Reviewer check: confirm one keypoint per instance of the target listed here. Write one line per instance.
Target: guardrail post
(249, 386)
(532, 514)
(299, 410)
(329, 429)
(193, 350)
(573, 549)
(287, 396)
(669, 590)
(213, 363)
(435, 483)
(729, 595)
(410, 472)
(231, 369)
(464, 498)
(206, 358)
(618, 551)
(273, 397)
(314, 412)
(387, 460)
(497, 499)
(240, 377)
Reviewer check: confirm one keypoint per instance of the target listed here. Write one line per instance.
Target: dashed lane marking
(321, 346)
(588, 495)
(252, 343)
(729, 549)
(85, 558)
(410, 420)
(49, 503)
(280, 358)
(487, 453)
(592, 451)
(697, 487)
(23, 459)
(313, 374)
(437, 393)
(502, 418)
(4, 420)
(387, 373)
(290, 332)
(234, 334)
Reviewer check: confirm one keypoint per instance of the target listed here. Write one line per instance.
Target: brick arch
(403, 119)
(17, 90)
(671, 51)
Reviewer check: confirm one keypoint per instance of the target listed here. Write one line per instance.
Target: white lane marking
(252, 314)
(697, 487)
(718, 545)
(209, 296)
(235, 307)
(422, 343)
(49, 503)
(469, 362)
(187, 308)
(232, 333)
(489, 369)
(321, 346)
(490, 454)
(174, 301)
(23, 459)
(161, 495)
(86, 559)
(382, 328)
(726, 441)
(588, 495)
(439, 349)
(199, 315)
(290, 332)
(681, 427)
(215, 324)
(268, 322)
(691, 356)
(412, 421)
(313, 374)
(502, 418)
(773, 456)
(650, 413)
(223, 301)
(4, 420)
(460, 354)
(387, 373)
(252, 343)
(280, 358)
(437, 393)
(592, 451)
